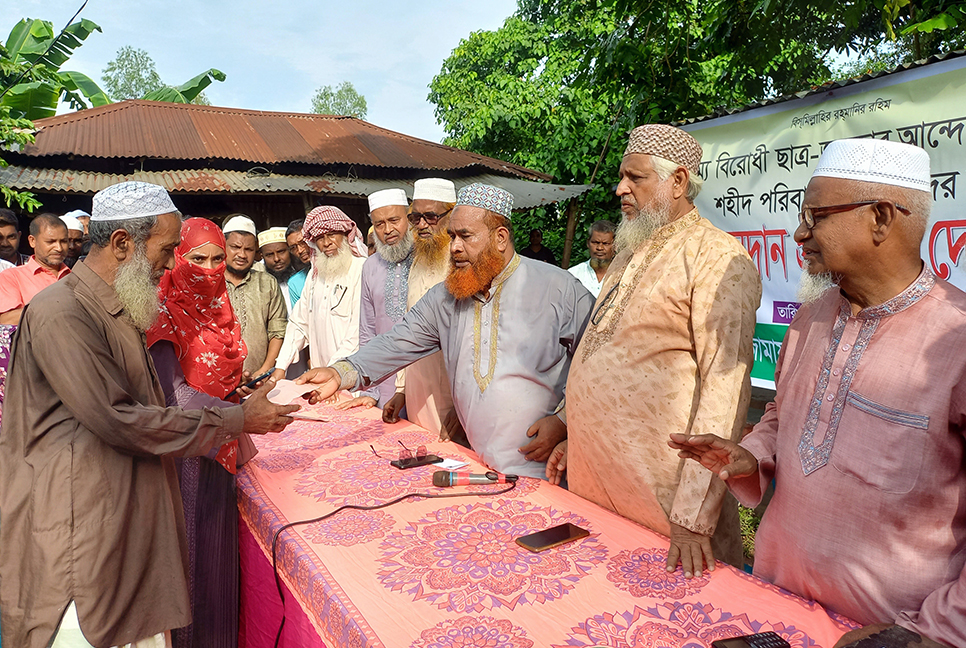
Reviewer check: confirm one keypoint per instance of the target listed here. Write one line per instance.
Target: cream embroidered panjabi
(668, 349)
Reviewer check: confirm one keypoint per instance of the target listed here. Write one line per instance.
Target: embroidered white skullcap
(499, 201)
(131, 199)
(387, 197)
(875, 160)
(72, 223)
(239, 224)
(271, 235)
(77, 213)
(434, 189)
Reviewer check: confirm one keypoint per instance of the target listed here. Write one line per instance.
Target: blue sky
(276, 54)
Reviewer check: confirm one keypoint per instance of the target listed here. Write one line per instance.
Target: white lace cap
(132, 199)
(875, 160)
(387, 197)
(434, 189)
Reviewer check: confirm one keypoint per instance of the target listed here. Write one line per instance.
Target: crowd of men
(626, 379)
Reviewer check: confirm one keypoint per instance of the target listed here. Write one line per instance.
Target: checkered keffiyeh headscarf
(326, 219)
(666, 142)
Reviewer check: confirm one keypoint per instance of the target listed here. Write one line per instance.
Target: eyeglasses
(298, 247)
(430, 217)
(809, 214)
(405, 453)
(598, 315)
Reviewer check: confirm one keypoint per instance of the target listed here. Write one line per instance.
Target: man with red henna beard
(507, 326)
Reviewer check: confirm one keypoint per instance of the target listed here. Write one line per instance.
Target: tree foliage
(132, 75)
(30, 69)
(342, 100)
(560, 77)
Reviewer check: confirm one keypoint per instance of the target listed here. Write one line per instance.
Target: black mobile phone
(760, 640)
(251, 383)
(552, 537)
(412, 462)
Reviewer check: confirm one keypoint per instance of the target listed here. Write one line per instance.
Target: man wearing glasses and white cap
(423, 387)
(865, 439)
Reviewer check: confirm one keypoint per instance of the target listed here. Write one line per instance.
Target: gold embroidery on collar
(484, 381)
(596, 336)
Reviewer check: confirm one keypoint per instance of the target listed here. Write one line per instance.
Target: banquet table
(435, 573)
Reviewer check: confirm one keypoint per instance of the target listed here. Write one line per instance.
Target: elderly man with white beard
(668, 349)
(865, 439)
(385, 282)
(326, 317)
(91, 519)
(507, 326)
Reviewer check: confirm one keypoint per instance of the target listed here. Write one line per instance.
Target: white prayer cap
(77, 213)
(72, 223)
(434, 189)
(875, 160)
(387, 197)
(131, 199)
(240, 224)
(271, 235)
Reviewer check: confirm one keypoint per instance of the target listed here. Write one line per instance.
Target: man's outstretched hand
(262, 415)
(325, 380)
(725, 458)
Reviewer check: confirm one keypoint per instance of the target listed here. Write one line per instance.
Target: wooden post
(572, 208)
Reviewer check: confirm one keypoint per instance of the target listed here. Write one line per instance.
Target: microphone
(443, 478)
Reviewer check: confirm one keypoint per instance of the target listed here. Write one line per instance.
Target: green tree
(343, 100)
(131, 75)
(32, 83)
(30, 70)
(560, 83)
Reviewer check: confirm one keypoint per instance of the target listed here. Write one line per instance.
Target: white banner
(757, 164)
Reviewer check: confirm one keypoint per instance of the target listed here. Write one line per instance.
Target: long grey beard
(811, 287)
(397, 251)
(330, 267)
(137, 291)
(632, 234)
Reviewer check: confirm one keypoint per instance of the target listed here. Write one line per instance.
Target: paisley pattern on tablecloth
(277, 462)
(464, 559)
(338, 432)
(350, 527)
(473, 632)
(674, 625)
(359, 477)
(643, 573)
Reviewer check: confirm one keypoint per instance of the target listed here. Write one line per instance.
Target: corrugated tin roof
(526, 194)
(826, 87)
(169, 131)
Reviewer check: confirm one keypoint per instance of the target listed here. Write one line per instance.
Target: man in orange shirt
(48, 238)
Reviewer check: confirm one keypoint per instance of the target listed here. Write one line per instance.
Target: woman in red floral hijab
(198, 353)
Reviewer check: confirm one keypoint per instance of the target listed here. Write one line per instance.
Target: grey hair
(601, 227)
(916, 201)
(664, 168)
(139, 229)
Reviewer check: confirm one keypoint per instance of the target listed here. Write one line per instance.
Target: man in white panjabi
(326, 317)
(423, 387)
(507, 327)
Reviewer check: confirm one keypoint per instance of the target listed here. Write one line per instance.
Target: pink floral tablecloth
(446, 573)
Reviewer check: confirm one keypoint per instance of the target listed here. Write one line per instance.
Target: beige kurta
(668, 349)
(426, 384)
